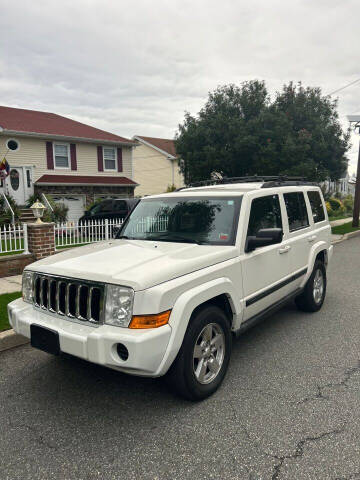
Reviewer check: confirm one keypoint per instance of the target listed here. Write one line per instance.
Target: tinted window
(120, 205)
(316, 206)
(265, 213)
(296, 210)
(105, 206)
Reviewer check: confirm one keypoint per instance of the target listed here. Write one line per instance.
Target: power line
(345, 86)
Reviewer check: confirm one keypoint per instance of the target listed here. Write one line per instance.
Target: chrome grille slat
(70, 298)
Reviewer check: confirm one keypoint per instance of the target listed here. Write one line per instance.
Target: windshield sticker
(223, 236)
(230, 202)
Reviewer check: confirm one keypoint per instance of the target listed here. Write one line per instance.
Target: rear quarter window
(296, 211)
(317, 207)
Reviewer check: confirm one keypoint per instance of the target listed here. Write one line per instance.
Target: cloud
(134, 67)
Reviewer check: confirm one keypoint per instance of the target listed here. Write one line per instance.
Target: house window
(109, 158)
(61, 155)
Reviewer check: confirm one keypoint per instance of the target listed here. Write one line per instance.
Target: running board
(252, 321)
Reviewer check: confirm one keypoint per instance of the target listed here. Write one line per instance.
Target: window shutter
(119, 159)
(100, 159)
(73, 156)
(49, 156)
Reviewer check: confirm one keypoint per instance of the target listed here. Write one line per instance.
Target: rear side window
(265, 213)
(296, 210)
(316, 206)
(120, 205)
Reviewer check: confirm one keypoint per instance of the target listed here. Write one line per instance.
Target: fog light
(122, 351)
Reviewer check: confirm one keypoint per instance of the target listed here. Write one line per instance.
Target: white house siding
(153, 171)
(32, 152)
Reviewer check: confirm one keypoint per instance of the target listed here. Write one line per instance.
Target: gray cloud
(134, 67)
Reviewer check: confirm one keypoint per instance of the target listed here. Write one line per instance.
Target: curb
(346, 236)
(10, 339)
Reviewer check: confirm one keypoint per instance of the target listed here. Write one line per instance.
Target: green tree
(240, 131)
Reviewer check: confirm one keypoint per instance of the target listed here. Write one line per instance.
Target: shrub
(348, 203)
(60, 211)
(329, 209)
(5, 214)
(335, 204)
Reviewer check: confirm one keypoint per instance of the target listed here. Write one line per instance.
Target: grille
(74, 299)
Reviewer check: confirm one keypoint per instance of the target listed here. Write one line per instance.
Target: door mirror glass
(264, 237)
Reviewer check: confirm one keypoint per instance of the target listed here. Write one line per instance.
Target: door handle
(312, 238)
(284, 249)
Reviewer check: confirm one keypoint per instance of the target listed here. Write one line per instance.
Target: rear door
(266, 269)
(301, 234)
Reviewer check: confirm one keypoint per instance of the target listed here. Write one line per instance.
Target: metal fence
(13, 238)
(89, 231)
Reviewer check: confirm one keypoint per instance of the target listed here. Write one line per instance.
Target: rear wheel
(203, 359)
(313, 295)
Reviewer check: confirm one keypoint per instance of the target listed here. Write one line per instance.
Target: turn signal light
(150, 321)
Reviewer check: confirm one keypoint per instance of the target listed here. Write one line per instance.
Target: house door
(15, 185)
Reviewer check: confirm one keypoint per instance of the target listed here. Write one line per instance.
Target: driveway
(288, 409)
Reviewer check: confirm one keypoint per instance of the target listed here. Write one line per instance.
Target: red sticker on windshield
(223, 236)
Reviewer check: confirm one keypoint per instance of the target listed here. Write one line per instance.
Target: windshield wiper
(175, 238)
(125, 237)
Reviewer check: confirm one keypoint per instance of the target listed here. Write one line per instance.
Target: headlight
(119, 305)
(27, 286)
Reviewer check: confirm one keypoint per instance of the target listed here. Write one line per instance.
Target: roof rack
(268, 181)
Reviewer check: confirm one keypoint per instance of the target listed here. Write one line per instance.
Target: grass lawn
(8, 245)
(4, 300)
(345, 228)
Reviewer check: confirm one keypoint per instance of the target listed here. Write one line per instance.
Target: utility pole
(355, 119)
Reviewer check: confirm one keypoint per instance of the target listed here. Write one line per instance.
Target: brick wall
(41, 239)
(14, 264)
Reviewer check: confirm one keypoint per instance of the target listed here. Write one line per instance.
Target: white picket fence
(89, 231)
(13, 238)
(78, 233)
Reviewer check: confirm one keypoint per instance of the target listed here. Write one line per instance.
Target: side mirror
(264, 237)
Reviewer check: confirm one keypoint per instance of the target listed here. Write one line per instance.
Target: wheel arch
(318, 251)
(220, 292)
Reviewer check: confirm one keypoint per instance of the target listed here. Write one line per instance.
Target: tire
(200, 368)
(313, 295)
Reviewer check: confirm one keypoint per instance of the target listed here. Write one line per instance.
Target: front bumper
(98, 344)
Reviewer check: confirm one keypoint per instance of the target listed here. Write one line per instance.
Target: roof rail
(268, 181)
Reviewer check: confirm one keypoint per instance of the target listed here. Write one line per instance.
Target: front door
(266, 269)
(15, 185)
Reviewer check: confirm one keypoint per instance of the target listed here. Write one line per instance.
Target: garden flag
(4, 168)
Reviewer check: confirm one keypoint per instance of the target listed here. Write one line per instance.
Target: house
(345, 185)
(156, 165)
(74, 162)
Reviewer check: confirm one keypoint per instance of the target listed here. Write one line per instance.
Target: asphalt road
(288, 409)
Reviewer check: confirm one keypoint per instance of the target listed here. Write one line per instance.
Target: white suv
(186, 271)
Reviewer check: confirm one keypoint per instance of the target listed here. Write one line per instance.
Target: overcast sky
(134, 67)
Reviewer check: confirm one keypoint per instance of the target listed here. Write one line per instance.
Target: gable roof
(165, 145)
(49, 125)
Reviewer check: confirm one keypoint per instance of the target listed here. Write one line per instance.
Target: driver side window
(265, 213)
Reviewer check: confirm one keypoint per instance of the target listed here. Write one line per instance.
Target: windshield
(202, 220)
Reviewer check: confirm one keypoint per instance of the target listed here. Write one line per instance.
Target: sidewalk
(10, 284)
(336, 223)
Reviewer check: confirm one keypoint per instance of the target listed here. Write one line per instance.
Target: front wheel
(203, 359)
(313, 295)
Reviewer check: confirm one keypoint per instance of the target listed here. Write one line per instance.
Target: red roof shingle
(164, 144)
(31, 121)
(84, 180)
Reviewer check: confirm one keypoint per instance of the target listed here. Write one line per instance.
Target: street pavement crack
(347, 376)
(299, 448)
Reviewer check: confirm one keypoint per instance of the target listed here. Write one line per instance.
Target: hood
(134, 263)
